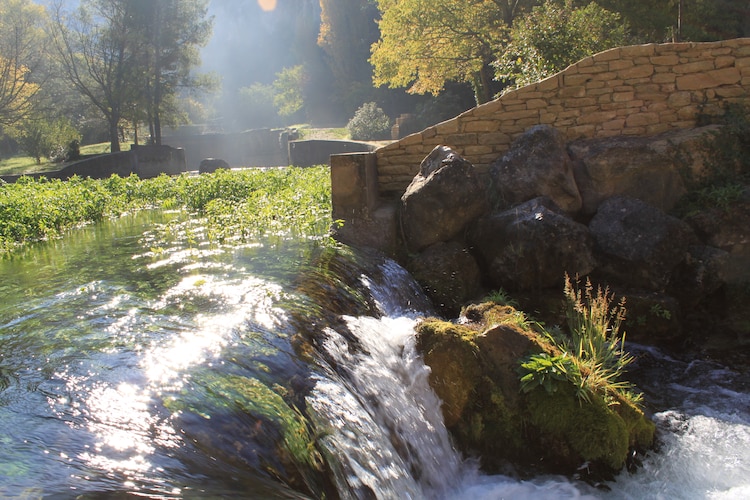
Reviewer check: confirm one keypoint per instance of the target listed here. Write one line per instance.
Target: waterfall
(383, 432)
(383, 421)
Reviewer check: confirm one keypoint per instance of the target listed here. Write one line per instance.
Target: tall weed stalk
(596, 340)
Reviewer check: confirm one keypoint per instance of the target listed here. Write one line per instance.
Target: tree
(256, 105)
(683, 20)
(348, 28)
(287, 89)
(171, 33)
(22, 52)
(422, 46)
(555, 35)
(40, 138)
(131, 57)
(97, 51)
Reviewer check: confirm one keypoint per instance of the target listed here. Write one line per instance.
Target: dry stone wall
(637, 90)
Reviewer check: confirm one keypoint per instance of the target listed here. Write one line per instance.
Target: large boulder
(537, 164)
(475, 371)
(648, 168)
(638, 244)
(441, 200)
(449, 275)
(531, 246)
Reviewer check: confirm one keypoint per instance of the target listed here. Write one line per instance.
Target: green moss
(592, 431)
(257, 399)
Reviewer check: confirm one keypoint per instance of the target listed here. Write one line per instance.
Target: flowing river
(138, 360)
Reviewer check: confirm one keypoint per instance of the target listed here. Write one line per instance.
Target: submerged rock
(475, 371)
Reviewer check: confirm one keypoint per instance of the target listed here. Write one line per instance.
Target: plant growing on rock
(592, 357)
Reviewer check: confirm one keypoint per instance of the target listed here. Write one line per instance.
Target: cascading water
(181, 370)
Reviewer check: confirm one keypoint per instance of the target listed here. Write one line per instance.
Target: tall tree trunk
(114, 133)
(157, 72)
(482, 86)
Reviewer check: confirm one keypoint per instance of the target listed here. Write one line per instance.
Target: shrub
(369, 123)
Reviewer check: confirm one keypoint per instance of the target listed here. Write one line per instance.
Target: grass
(236, 205)
(592, 357)
(20, 164)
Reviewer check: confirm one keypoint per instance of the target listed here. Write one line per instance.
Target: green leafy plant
(234, 204)
(592, 356)
(501, 297)
(596, 342)
(726, 168)
(369, 123)
(550, 371)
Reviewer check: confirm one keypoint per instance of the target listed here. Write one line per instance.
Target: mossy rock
(474, 370)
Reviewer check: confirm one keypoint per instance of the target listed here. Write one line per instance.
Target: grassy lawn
(27, 165)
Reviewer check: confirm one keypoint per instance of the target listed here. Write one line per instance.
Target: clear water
(135, 359)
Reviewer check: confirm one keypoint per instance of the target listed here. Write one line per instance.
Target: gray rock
(537, 164)
(449, 275)
(532, 246)
(441, 200)
(639, 244)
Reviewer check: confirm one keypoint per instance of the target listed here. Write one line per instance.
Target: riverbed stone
(449, 275)
(441, 200)
(474, 367)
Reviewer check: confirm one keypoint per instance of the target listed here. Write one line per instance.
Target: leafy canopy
(424, 44)
(555, 35)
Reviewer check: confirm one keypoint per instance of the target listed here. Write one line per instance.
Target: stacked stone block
(637, 90)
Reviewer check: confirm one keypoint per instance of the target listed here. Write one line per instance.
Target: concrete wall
(253, 148)
(636, 90)
(318, 152)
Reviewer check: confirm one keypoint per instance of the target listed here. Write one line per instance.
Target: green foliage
(423, 48)
(555, 35)
(726, 169)
(596, 342)
(40, 138)
(369, 123)
(592, 358)
(549, 371)
(288, 91)
(235, 204)
(501, 297)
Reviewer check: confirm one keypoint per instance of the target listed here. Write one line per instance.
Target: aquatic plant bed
(235, 203)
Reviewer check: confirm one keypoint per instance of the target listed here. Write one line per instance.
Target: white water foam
(386, 431)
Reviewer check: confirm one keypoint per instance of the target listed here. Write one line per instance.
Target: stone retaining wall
(636, 90)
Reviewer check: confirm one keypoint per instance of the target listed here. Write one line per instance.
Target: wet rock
(537, 164)
(727, 229)
(441, 200)
(449, 275)
(653, 318)
(531, 246)
(638, 244)
(475, 371)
